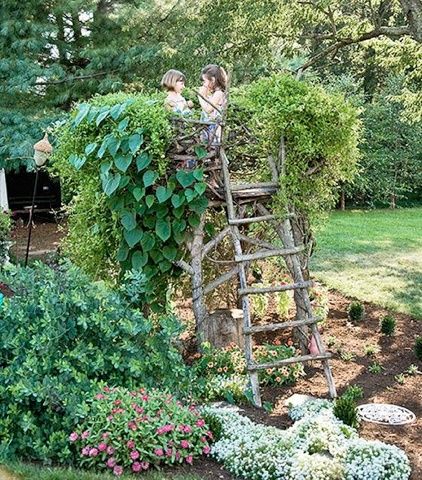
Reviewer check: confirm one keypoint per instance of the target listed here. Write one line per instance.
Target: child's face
(180, 85)
(207, 82)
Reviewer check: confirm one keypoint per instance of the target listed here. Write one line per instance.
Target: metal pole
(31, 213)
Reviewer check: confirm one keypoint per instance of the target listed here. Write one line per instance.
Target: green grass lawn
(374, 256)
(26, 472)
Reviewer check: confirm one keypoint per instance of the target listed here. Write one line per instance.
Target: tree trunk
(343, 201)
(412, 9)
(198, 302)
(393, 200)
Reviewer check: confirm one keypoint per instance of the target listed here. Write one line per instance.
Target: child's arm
(217, 99)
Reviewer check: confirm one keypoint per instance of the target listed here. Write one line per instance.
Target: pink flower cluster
(165, 429)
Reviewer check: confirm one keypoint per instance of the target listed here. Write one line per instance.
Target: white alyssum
(310, 408)
(317, 447)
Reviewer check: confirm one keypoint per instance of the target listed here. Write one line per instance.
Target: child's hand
(190, 104)
(203, 90)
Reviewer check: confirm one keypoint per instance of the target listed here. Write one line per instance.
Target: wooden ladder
(290, 253)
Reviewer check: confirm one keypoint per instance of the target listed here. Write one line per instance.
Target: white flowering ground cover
(317, 447)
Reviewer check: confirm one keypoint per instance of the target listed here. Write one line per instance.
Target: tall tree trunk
(413, 12)
(343, 201)
(393, 200)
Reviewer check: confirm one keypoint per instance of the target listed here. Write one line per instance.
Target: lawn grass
(21, 471)
(374, 256)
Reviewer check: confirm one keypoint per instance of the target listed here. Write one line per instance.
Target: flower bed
(134, 430)
(316, 447)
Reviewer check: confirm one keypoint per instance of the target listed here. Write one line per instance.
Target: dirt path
(6, 475)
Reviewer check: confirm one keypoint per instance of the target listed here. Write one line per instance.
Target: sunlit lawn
(374, 256)
(27, 472)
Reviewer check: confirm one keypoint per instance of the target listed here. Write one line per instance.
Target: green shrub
(61, 339)
(132, 431)
(388, 325)
(356, 312)
(418, 348)
(345, 410)
(354, 392)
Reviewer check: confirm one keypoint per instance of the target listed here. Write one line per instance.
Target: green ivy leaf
(123, 162)
(123, 124)
(102, 116)
(185, 178)
(148, 242)
(124, 181)
(194, 220)
(138, 193)
(117, 204)
(82, 113)
(163, 229)
(111, 184)
(179, 225)
(165, 266)
(179, 212)
(139, 260)
(132, 237)
(161, 211)
(143, 161)
(135, 141)
(209, 229)
(170, 253)
(128, 220)
(177, 200)
(199, 205)
(77, 161)
(113, 145)
(149, 200)
(149, 178)
(200, 152)
(200, 187)
(156, 255)
(90, 148)
(163, 194)
(198, 174)
(122, 253)
(105, 167)
(190, 194)
(117, 110)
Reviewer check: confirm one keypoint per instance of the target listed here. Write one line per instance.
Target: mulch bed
(395, 356)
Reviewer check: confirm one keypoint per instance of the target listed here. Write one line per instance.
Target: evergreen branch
(72, 79)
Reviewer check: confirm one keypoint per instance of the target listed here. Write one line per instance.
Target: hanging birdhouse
(42, 150)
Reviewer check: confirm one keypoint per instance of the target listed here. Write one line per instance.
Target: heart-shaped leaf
(90, 148)
(123, 124)
(128, 220)
(194, 220)
(122, 162)
(149, 200)
(163, 194)
(113, 145)
(132, 237)
(148, 242)
(190, 194)
(138, 193)
(170, 253)
(199, 205)
(198, 174)
(177, 200)
(111, 184)
(164, 266)
(135, 141)
(149, 178)
(77, 161)
(105, 167)
(82, 113)
(200, 152)
(124, 181)
(143, 161)
(200, 187)
(102, 116)
(139, 260)
(185, 178)
(163, 229)
(122, 253)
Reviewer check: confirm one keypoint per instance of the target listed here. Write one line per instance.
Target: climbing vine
(113, 154)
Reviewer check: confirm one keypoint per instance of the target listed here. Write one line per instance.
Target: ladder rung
(268, 253)
(278, 288)
(278, 326)
(250, 186)
(280, 363)
(242, 221)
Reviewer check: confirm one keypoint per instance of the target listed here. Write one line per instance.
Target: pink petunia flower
(130, 444)
(136, 467)
(132, 426)
(111, 462)
(85, 451)
(189, 459)
(85, 434)
(134, 455)
(73, 437)
(93, 452)
(105, 435)
(187, 429)
(203, 439)
(169, 452)
(159, 452)
(200, 422)
(184, 444)
(118, 470)
(144, 465)
(206, 450)
(100, 396)
(102, 447)
(110, 450)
